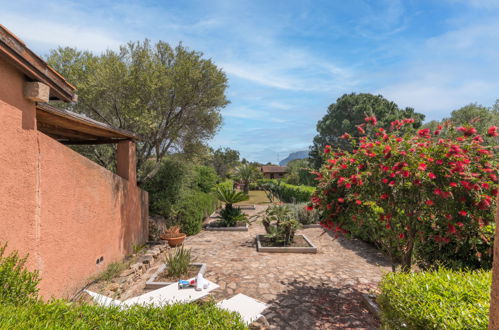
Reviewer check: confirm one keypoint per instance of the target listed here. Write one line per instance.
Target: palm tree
(230, 215)
(230, 196)
(246, 174)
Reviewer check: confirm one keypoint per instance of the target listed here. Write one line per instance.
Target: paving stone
(305, 291)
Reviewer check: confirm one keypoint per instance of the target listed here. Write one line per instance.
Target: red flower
(422, 167)
(492, 131)
(432, 176)
(463, 213)
(384, 196)
(484, 204)
(424, 133)
(451, 229)
(401, 236)
(453, 184)
(439, 162)
(361, 130)
(358, 202)
(385, 180)
(467, 131)
(429, 202)
(371, 119)
(327, 149)
(341, 200)
(460, 224)
(310, 207)
(346, 136)
(392, 183)
(437, 191)
(406, 174)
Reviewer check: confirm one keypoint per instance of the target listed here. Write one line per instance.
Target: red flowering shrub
(400, 189)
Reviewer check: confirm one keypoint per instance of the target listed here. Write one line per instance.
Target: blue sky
(288, 60)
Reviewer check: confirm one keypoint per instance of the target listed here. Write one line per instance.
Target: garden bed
(160, 278)
(217, 226)
(312, 225)
(300, 244)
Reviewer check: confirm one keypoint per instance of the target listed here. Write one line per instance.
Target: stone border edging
(312, 225)
(371, 305)
(240, 228)
(286, 249)
(152, 284)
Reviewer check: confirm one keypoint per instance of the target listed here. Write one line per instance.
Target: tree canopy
(348, 112)
(224, 160)
(170, 96)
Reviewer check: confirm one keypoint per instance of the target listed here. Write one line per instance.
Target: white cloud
(52, 34)
(246, 113)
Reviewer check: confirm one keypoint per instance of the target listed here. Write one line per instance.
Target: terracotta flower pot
(175, 241)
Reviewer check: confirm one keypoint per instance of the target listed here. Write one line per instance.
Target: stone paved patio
(305, 291)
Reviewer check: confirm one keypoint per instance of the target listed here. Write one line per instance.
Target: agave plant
(280, 224)
(230, 215)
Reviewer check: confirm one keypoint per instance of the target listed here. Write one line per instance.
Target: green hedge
(192, 208)
(63, 315)
(442, 299)
(288, 193)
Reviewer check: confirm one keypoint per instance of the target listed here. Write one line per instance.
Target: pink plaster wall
(61, 208)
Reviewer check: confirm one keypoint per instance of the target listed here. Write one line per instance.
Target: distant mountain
(294, 155)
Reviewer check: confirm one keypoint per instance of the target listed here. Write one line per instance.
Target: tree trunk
(407, 255)
(246, 188)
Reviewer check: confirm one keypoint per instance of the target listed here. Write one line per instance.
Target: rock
(232, 285)
(113, 287)
(127, 272)
(137, 266)
(146, 259)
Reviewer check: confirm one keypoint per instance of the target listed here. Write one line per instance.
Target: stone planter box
(153, 284)
(238, 227)
(285, 249)
(313, 225)
(246, 206)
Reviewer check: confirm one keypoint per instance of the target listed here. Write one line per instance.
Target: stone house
(273, 172)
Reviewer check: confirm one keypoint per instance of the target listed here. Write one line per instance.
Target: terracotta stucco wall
(58, 206)
(18, 156)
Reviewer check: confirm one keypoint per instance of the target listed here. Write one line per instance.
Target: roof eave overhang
(14, 50)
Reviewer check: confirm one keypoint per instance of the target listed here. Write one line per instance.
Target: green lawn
(256, 197)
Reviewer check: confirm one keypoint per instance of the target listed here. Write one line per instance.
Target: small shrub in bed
(304, 216)
(17, 285)
(191, 209)
(442, 299)
(280, 224)
(178, 261)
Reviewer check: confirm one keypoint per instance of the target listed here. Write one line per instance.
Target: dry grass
(256, 197)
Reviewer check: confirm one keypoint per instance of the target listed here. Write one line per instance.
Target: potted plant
(173, 236)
